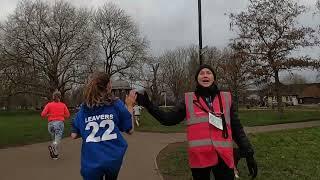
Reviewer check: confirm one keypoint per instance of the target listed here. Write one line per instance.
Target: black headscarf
(206, 91)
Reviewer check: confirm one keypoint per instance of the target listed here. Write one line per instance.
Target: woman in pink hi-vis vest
(212, 126)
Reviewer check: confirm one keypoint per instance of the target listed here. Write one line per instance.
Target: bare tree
(152, 76)
(193, 64)
(293, 78)
(171, 73)
(12, 94)
(148, 75)
(118, 39)
(269, 32)
(176, 70)
(213, 57)
(46, 45)
(6, 85)
(235, 69)
(318, 65)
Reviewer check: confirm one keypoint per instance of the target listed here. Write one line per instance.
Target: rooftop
(120, 84)
(301, 90)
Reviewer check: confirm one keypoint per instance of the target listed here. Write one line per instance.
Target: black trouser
(110, 177)
(220, 171)
(107, 176)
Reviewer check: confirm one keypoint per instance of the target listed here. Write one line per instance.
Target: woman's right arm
(44, 113)
(169, 118)
(66, 111)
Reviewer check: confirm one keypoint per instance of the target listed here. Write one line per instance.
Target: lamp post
(165, 98)
(200, 31)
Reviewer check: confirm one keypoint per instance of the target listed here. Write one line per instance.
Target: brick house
(120, 88)
(294, 94)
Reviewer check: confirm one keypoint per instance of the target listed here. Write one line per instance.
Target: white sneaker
(236, 173)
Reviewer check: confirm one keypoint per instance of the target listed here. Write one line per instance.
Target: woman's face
(205, 77)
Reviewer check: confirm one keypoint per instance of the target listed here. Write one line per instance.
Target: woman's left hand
(131, 99)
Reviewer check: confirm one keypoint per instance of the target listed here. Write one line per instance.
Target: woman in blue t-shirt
(99, 122)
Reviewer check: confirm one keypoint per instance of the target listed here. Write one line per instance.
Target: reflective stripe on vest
(227, 108)
(206, 142)
(195, 120)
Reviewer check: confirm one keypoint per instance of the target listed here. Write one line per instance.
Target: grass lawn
(268, 117)
(20, 128)
(286, 155)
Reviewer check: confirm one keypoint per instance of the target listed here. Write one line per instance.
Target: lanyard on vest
(224, 124)
(196, 102)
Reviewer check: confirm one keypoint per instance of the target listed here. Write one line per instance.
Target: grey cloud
(7, 7)
(172, 23)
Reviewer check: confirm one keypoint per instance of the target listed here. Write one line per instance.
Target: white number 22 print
(95, 128)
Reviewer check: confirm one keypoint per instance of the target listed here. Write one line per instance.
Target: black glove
(236, 156)
(143, 100)
(252, 166)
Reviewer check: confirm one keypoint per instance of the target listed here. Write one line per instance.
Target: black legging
(108, 176)
(220, 171)
(111, 176)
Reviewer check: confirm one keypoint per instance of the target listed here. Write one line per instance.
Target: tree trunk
(8, 104)
(63, 93)
(236, 100)
(278, 95)
(154, 94)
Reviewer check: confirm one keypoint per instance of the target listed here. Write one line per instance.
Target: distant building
(120, 88)
(294, 94)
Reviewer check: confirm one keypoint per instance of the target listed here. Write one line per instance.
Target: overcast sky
(168, 24)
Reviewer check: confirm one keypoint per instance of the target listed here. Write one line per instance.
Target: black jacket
(178, 114)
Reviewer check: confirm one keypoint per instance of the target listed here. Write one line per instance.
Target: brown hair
(96, 92)
(56, 96)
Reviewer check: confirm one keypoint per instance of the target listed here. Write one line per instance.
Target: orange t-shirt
(57, 111)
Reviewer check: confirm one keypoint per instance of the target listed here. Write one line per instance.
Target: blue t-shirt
(103, 146)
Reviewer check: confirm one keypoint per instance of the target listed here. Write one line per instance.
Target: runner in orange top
(56, 112)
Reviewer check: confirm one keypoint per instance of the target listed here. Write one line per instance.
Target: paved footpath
(32, 162)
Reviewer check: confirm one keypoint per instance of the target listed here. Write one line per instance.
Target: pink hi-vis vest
(206, 142)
